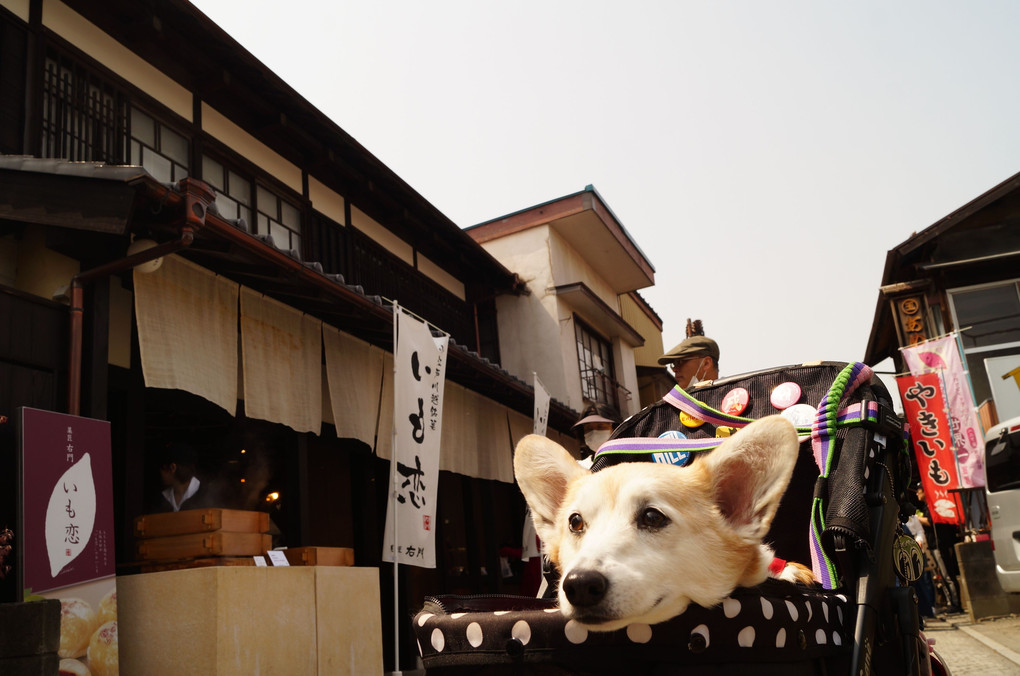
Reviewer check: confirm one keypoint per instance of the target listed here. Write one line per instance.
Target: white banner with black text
(419, 378)
(541, 407)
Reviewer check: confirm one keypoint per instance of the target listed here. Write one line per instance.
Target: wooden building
(960, 274)
(131, 130)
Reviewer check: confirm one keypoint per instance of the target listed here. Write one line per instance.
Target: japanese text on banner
(925, 412)
(420, 369)
(942, 356)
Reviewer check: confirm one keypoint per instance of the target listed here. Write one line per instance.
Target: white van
(1002, 479)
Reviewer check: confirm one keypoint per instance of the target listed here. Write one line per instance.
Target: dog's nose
(585, 587)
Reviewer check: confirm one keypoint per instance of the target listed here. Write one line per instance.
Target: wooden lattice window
(83, 116)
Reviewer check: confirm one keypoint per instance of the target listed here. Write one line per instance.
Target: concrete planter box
(248, 620)
(982, 594)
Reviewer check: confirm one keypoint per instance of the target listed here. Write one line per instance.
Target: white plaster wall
(529, 342)
(569, 267)
(87, 37)
(531, 326)
(18, 7)
(536, 332)
(381, 236)
(568, 348)
(633, 314)
(626, 375)
(228, 133)
(441, 277)
(326, 201)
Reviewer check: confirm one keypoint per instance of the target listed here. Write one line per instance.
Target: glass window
(174, 146)
(84, 118)
(240, 187)
(989, 316)
(278, 218)
(595, 359)
(290, 216)
(158, 149)
(143, 127)
(233, 191)
(212, 173)
(1002, 462)
(160, 167)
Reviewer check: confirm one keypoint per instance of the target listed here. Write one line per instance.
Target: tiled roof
(371, 319)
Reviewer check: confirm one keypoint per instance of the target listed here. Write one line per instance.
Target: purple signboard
(67, 500)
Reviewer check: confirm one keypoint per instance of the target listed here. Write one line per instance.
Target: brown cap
(695, 346)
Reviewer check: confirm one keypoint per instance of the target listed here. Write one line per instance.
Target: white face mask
(596, 438)
(696, 378)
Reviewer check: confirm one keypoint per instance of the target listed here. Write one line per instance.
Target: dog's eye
(652, 518)
(576, 523)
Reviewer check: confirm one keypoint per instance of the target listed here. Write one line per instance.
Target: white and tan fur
(639, 541)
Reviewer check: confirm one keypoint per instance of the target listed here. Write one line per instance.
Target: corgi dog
(639, 541)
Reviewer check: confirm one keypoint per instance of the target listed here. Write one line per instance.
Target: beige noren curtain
(281, 350)
(354, 370)
(187, 330)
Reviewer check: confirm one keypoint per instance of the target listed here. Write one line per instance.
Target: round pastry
(77, 622)
(69, 667)
(108, 607)
(103, 658)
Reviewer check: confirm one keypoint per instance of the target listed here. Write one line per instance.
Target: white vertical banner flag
(419, 378)
(541, 407)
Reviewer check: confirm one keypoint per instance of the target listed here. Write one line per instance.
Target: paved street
(986, 647)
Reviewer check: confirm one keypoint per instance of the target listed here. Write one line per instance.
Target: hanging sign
(910, 323)
(541, 407)
(66, 525)
(925, 412)
(942, 356)
(419, 379)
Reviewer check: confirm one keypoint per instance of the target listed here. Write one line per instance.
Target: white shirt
(192, 489)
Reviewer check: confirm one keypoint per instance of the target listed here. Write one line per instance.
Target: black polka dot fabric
(776, 623)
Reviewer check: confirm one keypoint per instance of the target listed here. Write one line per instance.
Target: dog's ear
(544, 469)
(750, 472)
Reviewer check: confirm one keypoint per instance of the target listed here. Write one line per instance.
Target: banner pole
(393, 498)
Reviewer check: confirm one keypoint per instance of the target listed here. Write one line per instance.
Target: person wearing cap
(593, 428)
(693, 360)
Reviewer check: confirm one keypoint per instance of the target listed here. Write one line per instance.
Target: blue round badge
(679, 458)
(672, 434)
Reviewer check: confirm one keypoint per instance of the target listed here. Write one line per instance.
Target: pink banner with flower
(942, 356)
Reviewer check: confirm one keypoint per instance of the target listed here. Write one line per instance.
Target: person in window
(182, 489)
(695, 359)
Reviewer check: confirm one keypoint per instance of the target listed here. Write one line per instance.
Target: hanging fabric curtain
(187, 330)
(282, 358)
(354, 372)
(475, 438)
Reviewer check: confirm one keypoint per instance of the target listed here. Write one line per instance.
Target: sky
(764, 155)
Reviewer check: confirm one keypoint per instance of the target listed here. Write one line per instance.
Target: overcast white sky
(765, 155)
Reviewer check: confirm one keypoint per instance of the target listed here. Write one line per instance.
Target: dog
(638, 542)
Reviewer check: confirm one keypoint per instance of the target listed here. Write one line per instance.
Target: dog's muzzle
(585, 588)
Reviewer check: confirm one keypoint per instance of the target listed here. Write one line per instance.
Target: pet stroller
(840, 513)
